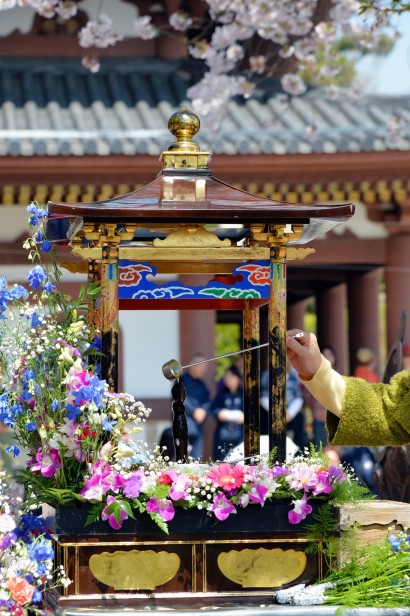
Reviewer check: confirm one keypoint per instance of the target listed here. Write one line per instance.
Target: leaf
(160, 522)
(94, 514)
(127, 508)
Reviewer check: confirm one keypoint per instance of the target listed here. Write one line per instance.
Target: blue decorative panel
(247, 281)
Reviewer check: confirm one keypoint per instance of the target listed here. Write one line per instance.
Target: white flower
(180, 21)
(257, 64)
(293, 84)
(144, 28)
(7, 523)
(98, 33)
(66, 9)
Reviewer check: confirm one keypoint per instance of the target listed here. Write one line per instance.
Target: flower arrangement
(26, 559)
(76, 433)
(220, 490)
(61, 413)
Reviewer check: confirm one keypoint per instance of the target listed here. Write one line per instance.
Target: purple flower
(114, 513)
(336, 474)
(133, 485)
(102, 479)
(163, 506)
(323, 485)
(222, 507)
(301, 510)
(277, 471)
(179, 484)
(46, 463)
(257, 493)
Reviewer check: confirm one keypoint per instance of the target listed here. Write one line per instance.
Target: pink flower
(46, 463)
(226, 477)
(301, 510)
(21, 590)
(302, 478)
(323, 485)
(114, 513)
(257, 493)
(102, 479)
(179, 484)
(163, 506)
(222, 507)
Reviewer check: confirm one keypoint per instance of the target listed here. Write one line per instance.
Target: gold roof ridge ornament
(184, 153)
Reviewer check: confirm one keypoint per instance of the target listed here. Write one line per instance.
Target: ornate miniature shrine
(187, 221)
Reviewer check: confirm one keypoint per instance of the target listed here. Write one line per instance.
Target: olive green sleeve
(373, 414)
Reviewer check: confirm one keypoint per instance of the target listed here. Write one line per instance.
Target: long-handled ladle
(172, 369)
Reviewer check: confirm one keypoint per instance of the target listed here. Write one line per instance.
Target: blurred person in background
(227, 408)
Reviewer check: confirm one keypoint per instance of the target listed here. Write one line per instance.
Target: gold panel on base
(134, 569)
(262, 568)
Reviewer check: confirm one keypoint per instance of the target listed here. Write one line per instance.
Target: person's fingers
(296, 343)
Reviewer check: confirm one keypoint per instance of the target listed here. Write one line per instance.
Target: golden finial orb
(184, 124)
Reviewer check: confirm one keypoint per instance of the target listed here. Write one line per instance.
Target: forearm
(328, 387)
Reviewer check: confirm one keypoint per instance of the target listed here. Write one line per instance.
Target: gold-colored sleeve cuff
(328, 387)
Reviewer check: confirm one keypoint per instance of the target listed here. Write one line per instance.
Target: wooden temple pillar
(296, 315)
(397, 277)
(277, 343)
(251, 339)
(363, 304)
(331, 323)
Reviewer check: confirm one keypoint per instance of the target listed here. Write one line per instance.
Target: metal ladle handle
(172, 369)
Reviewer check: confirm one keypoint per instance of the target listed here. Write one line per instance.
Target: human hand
(303, 353)
(234, 415)
(199, 414)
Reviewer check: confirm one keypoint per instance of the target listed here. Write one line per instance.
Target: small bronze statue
(179, 422)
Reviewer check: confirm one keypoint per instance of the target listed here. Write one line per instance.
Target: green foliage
(372, 576)
(321, 534)
(227, 340)
(94, 514)
(386, 6)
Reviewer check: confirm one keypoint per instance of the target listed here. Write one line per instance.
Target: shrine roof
(54, 107)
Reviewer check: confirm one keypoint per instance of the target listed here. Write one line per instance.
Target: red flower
(165, 479)
(226, 477)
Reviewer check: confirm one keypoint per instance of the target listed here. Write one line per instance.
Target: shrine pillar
(363, 304)
(296, 315)
(331, 322)
(397, 279)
